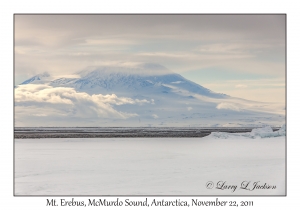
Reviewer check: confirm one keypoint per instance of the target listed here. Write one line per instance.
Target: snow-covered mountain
(144, 95)
(145, 79)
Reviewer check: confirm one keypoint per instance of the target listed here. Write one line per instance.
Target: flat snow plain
(150, 166)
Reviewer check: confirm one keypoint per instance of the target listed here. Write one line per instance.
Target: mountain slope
(37, 79)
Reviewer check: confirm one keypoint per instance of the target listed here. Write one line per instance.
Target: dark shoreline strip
(119, 133)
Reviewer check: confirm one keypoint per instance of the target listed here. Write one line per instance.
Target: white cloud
(177, 82)
(189, 108)
(241, 86)
(52, 101)
(40, 115)
(228, 106)
(154, 116)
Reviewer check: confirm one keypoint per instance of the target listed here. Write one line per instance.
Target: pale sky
(239, 55)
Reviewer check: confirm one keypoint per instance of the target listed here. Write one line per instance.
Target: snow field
(155, 166)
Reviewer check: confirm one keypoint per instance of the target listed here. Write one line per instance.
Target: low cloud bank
(228, 106)
(66, 101)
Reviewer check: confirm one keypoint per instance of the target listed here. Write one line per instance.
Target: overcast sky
(240, 55)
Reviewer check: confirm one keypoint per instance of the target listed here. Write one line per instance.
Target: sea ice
(264, 132)
(149, 166)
